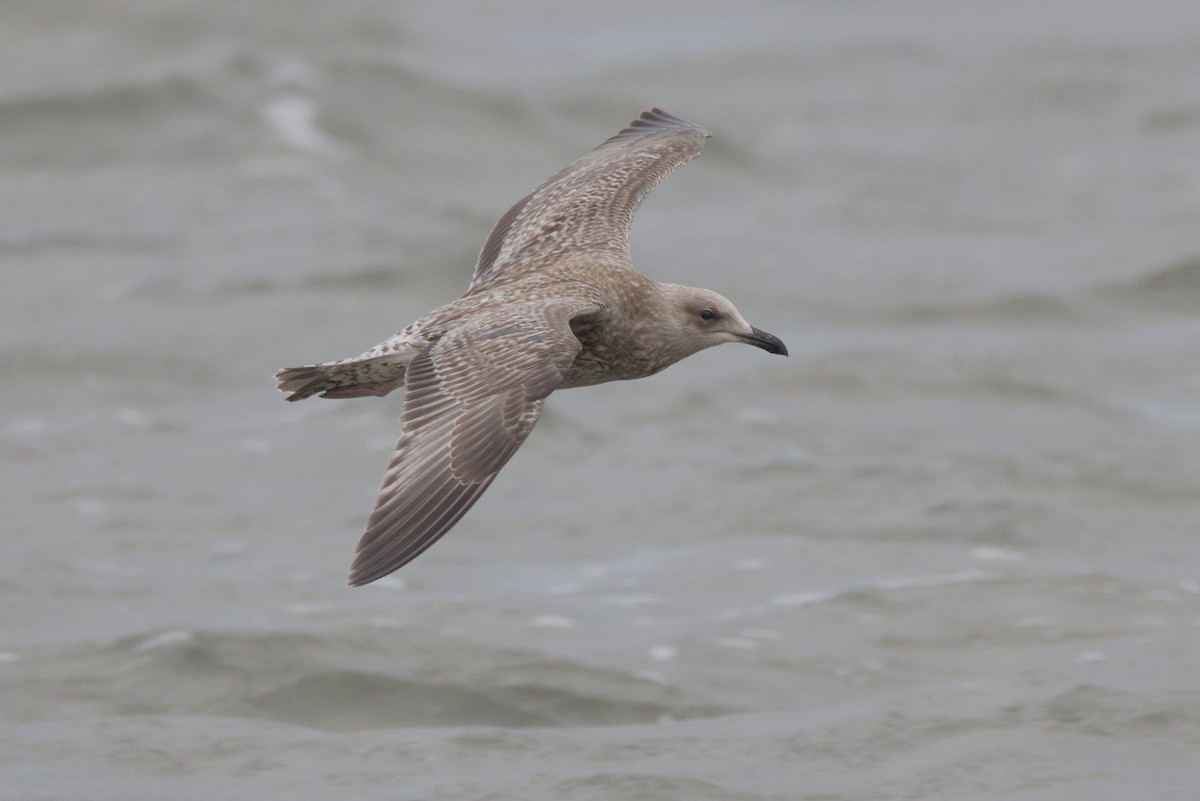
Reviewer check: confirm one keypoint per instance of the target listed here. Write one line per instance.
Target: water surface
(949, 549)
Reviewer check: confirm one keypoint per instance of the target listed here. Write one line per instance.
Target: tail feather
(352, 378)
(376, 372)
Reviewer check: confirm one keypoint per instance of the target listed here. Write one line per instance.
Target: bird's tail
(348, 378)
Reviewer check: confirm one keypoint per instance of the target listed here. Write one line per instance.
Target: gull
(554, 303)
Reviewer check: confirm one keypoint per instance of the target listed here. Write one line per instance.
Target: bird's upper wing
(470, 400)
(590, 203)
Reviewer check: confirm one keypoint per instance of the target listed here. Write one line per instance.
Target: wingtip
(356, 577)
(655, 119)
(363, 572)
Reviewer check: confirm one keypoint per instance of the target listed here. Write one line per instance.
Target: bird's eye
(707, 315)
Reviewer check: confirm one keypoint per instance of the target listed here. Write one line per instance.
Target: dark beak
(768, 342)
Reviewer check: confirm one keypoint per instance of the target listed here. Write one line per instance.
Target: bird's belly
(597, 364)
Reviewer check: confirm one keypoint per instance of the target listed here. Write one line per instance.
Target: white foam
(163, 639)
(27, 426)
(134, 418)
(912, 582)
(310, 608)
(663, 653)
(293, 118)
(633, 600)
(997, 555)
(802, 598)
(735, 642)
(256, 446)
(227, 548)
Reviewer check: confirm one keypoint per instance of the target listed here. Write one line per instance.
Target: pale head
(700, 318)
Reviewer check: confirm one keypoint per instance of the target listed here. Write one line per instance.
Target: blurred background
(949, 549)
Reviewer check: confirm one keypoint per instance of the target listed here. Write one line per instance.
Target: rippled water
(950, 549)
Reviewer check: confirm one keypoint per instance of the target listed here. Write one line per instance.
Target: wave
(342, 682)
(1015, 309)
(1174, 287)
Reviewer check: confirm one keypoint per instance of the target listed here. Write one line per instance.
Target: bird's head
(701, 318)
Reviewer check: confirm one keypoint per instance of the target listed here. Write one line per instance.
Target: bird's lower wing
(470, 400)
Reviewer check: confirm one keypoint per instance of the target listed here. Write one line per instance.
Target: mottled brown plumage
(554, 303)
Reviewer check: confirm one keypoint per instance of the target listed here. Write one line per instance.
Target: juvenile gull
(554, 303)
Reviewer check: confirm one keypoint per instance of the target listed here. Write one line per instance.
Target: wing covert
(590, 203)
(470, 400)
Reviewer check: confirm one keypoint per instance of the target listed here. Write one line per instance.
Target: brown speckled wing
(470, 400)
(589, 205)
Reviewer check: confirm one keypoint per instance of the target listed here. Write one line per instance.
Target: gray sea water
(950, 549)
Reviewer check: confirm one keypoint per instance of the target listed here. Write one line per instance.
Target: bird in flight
(554, 303)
